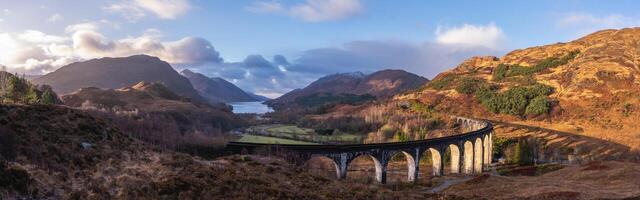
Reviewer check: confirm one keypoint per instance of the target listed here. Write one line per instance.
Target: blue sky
(270, 47)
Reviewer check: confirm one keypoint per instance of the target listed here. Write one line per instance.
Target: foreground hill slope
(588, 86)
(384, 83)
(71, 155)
(217, 89)
(113, 73)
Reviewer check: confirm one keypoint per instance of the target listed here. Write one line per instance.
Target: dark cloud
(280, 60)
(256, 61)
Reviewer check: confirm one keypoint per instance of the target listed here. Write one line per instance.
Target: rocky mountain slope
(588, 86)
(384, 83)
(217, 89)
(113, 73)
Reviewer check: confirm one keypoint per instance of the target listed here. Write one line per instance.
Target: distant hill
(384, 83)
(259, 97)
(112, 73)
(217, 89)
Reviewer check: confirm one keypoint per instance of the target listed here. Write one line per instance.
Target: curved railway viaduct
(470, 152)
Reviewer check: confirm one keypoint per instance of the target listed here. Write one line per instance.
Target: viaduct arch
(470, 152)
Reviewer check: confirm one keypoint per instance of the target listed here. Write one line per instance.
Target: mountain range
(384, 83)
(113, 73)
(219, 90)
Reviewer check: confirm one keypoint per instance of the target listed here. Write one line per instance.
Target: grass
(302, 134)
(269, 140)
(289, 129)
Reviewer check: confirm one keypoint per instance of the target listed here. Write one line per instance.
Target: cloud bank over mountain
(35, 52)
(39, 53)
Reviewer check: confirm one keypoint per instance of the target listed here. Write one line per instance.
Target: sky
(270, 47)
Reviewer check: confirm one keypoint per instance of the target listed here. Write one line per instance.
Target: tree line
(17, 90)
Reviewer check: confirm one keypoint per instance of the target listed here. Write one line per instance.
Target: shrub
(468, 85)
(503, 70)
(500, 144)
(421, 108)
(500, 72)
(400, 136)
(538, 105)
(515, 101)
(442, 83)
(323, 131)
(627, 109)
(14, 178)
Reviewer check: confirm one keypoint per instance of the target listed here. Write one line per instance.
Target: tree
(32, 95)
(15, 91)
(48, 96)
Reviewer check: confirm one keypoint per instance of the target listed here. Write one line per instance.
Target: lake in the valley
(250, 107)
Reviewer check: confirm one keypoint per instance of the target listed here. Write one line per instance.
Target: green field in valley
(304, 134)
(269, 140)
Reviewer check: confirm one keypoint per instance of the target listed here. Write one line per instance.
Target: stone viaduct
(470, 152)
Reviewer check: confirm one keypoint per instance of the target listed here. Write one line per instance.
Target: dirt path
(447, 183)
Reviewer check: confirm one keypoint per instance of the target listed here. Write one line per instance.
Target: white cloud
(25, 54)
(165, 9)
(489, 36)
(584, 23)
(6, 11)
(186, 51)
(265, 7)
(55, 17)
(312, 10)
(33, 36)
(128, 11)
(134, 10)
(92, 26)
(34, 52)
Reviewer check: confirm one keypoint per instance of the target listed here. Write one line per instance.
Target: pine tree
(48, 96)
(14, 92)
(32, 95)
